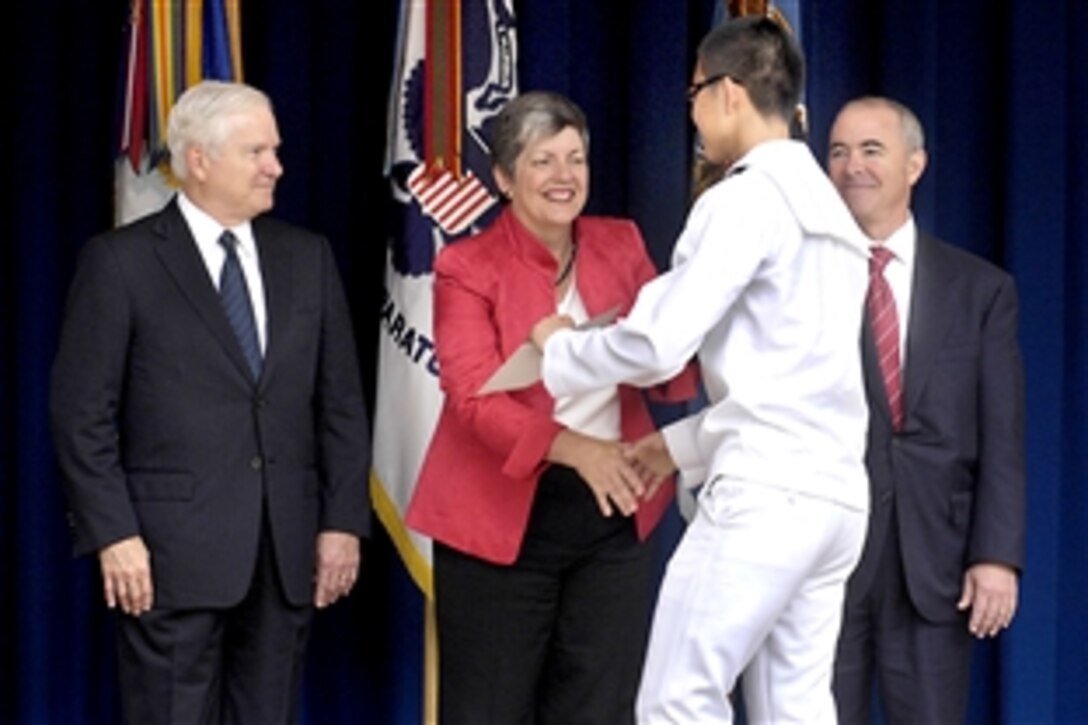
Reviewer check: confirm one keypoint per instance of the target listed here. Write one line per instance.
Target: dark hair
(528, 117)
(762, 56)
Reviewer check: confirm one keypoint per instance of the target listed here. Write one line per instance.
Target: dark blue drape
(999, 86)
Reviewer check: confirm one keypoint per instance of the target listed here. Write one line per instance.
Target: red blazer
(479, 477)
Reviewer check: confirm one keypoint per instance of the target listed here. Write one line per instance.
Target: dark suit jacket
(956, 470)
(160, 430)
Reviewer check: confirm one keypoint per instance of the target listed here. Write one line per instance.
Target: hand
(650, 458)
(990, 592)
(602, 465)
(547, 327)
(338, 558)
(126, 576)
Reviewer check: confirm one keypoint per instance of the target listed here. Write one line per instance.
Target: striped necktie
(885, 323)
(236, 303)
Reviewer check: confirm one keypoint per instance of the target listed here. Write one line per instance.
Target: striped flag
(455, 70)
(451, 203)
(169, 46)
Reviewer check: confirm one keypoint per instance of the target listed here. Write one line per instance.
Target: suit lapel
(929, 315)
(178, 253)
(275, 257)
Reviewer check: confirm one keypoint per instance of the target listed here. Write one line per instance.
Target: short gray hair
(203, 116)
(530, 116)
(913, 135)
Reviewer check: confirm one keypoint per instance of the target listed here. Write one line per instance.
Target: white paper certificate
(522, 368)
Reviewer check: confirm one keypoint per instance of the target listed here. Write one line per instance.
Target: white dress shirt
(767, 287)
(596, 412)
(206, 231)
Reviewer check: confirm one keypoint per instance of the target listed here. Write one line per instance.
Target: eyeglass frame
(696, 88)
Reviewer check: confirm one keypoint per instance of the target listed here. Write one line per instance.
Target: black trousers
(920, 670)
(239, 665)
(558, 637)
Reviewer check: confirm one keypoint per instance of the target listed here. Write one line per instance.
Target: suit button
(255, 463)
(885, 498)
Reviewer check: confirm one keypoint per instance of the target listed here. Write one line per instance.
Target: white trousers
(756, 585)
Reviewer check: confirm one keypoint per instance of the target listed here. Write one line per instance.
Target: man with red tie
(944, 382)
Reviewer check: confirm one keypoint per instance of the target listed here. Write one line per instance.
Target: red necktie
(885, 323)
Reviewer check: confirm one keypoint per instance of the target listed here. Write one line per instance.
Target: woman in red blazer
(541, 564)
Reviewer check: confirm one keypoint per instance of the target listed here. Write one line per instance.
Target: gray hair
(203, 116)
(913, 135)
(530, 116)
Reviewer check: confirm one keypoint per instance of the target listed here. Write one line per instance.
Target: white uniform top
(767, 287)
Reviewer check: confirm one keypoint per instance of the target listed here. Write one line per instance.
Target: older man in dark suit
(209, 420)
(945, 456)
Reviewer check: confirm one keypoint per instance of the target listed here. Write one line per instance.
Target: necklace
(568, 267)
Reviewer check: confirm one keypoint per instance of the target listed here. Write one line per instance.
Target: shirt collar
(901, 242)
(206, 230)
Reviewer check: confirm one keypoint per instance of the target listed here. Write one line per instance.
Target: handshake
(620, 474)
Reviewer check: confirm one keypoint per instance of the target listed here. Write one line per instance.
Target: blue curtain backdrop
(999, 86)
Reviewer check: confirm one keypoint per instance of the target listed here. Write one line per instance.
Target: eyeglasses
(695, 88)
